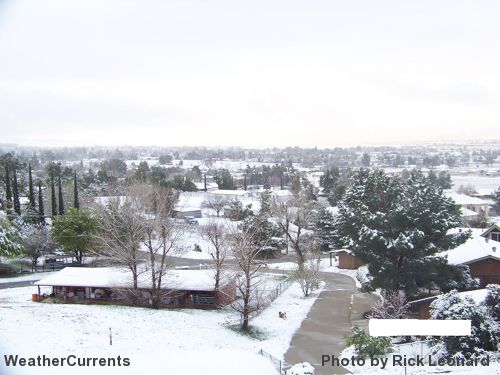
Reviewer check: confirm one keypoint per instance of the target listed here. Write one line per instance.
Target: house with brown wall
(106, 285)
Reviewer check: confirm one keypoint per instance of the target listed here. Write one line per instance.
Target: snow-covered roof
(210, 185)
(478, 296)
(494, 227)
(463, 199)
(190, 201)
(465, 212)
(474, 249)
(282, 193)
(229, 192)
(108, 277)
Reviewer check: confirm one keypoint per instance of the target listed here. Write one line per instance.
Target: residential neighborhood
(249, 259)
(249, 187)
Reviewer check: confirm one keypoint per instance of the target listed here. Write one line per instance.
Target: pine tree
(41, 210)
(53, 194)
(17, 203)
(8, 192)
(31, 189)
(325, 228)
(76, 202)
(396, 227)
(61, 201)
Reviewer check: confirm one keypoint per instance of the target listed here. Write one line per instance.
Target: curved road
(338, 307)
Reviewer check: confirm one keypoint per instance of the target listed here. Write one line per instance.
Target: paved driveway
(337, 308)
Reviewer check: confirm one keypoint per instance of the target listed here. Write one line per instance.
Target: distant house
(211, 186)
(422, 306)
(469, 205)
(347, 260)
(183, 288)
(230, 193)
(481, 255)
(182, 212)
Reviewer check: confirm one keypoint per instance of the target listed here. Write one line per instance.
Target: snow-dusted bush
(393, 306)
(485, 332)
(492, 300)
(304, 368)
(366, 345)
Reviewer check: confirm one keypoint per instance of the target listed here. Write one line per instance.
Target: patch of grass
(253, 332)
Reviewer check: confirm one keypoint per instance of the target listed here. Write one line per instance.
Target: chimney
(487, 239)
(494, 249)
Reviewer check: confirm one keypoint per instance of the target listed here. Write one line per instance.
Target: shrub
(368, 346)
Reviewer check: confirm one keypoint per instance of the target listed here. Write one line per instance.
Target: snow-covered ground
(411, 351)
(481, 183)
(176, 341)
(30, 277)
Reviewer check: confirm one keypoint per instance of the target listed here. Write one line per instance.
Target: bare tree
(296, 219)
(161, 233)
(121, 231)
(245, 251)
(215, 232)
(216, 203)
(393, 306)
(36, 243)
(309, 276)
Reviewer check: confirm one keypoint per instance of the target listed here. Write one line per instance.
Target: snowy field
(175, 341)
(481, 183)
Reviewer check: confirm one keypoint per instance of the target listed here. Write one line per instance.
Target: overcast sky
(248, 73)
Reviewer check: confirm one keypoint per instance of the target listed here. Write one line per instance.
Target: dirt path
(337, 308)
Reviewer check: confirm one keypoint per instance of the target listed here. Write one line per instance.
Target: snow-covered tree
(325, 228)
(10, 239)
(492, 300)
(485, 332)
(74, 232)
(216, 203)
(396, 227)
(393, 305)
(246, 251)
(37, 242)
(216, 233)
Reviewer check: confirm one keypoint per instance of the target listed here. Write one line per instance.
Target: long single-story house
(422, 306)
(183, 288)
(480, 253)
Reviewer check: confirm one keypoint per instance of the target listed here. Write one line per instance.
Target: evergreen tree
(15, 190)
(76, 202)
(485, 332)
(41, 210)
(74, 232)
(61, 200)
(325, 228)
(31, 189)
(8, 192)
(396, 227)
(53, 194)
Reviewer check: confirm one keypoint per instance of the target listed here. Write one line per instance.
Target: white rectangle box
(417, 327)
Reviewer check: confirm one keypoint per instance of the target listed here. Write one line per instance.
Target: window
(203, 299)
(495, 236)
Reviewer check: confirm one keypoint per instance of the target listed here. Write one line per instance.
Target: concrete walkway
(337, 308)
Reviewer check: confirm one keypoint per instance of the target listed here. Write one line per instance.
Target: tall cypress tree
(76, 202)
(41, 210)
(8, 192)
(53, 194)
(61, 201)
(15, 190)
(31, 190)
